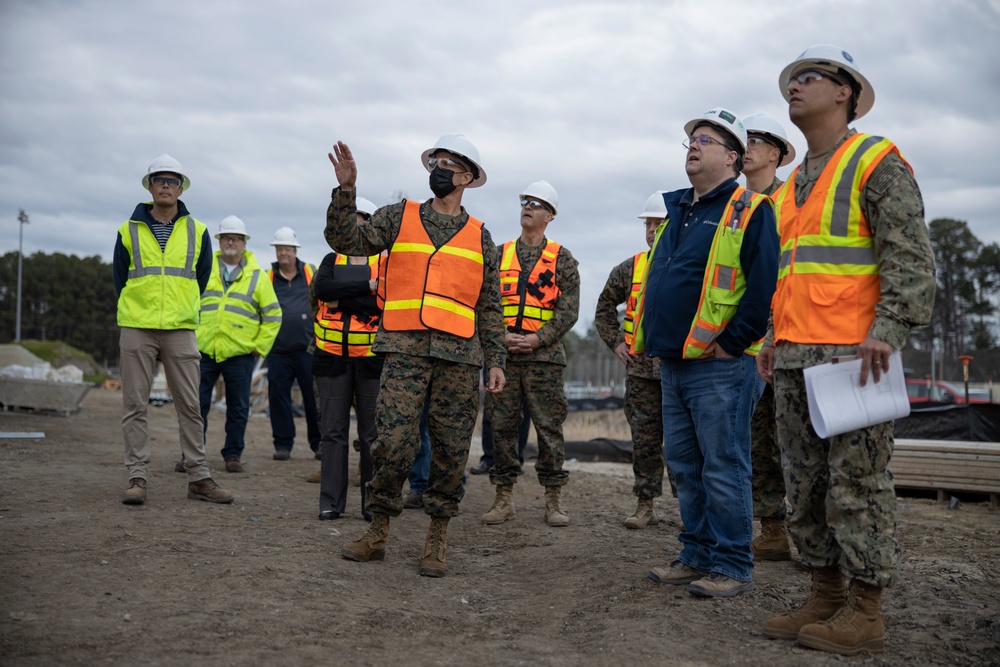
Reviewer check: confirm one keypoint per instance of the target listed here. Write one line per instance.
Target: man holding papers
(857, 274)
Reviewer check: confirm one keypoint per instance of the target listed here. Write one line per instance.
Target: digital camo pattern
(765, 460)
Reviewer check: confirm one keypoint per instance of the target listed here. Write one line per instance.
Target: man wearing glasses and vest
(702, 311)
(290, 359)
(540, 293)
(643, 398)
(162, 262)
(767, 149)
(441, 320)
(240, 318)
(857, 274)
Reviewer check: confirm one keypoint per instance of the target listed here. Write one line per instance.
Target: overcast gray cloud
(591, 96)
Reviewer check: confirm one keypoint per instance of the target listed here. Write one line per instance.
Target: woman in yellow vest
(346, 369)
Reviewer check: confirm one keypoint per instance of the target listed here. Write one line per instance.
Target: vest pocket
(834, 311)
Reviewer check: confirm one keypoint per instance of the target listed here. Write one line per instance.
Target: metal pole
(22, 218)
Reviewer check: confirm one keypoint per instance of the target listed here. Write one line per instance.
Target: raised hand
(344, 165)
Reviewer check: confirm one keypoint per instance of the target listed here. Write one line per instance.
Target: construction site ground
(85, 580)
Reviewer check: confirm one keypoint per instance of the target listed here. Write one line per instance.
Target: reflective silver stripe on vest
(725, 277)
(786, 259)
(209, 306)
(211, 293)
(271, 318)
(835, 255)
(703, 335)
(840, 216)
(239, 310)
(140, 270)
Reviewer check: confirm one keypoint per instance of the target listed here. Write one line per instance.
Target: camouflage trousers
(540, 384)
(765, 459)
(453, 391)
(840, 489)
(644, 412)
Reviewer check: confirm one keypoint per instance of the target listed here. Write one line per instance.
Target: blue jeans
(707, 405)
(236, 372)
(282, 371)
(421, 470)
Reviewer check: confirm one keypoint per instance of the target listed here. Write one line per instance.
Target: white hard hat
(166, 163)
(232, 225)
(284, 236)
(457, 143)
(655, 206)
(365, 206)
(762, 124)
(543, 191)
(724, 119)
(834, 60)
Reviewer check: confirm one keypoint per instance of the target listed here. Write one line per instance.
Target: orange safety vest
(528, 303)
(638, 271)
(352, 336)
(432, 288)
(307, 269)
(828, 277)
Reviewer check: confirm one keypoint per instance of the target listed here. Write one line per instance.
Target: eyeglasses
(232, 238)
(760, 141)
(701, 140)
(532, 203)
(446, 163)
(166, 180)
(807, 76)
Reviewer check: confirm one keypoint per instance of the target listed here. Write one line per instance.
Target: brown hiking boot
(675, 574)
(827, 596)
(315, 477)
(503, 506)
(433, 564)
(643, 515)
(135, 494)
(856, 627)
(772, 543)
(179, 466)
(413, 501)
(554, 515)
(234, 465)
(371, 545)
(718, 585)
(356, 479)
(207, 490)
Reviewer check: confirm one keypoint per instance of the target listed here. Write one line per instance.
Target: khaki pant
(178, 351)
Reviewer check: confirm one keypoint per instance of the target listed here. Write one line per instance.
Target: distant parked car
(941, 391)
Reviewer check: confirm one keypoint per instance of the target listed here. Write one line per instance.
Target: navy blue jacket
(677, 271)
(296, 332)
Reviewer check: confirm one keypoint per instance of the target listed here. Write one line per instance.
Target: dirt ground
(86, 580)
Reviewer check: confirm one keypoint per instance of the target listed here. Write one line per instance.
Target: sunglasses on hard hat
(446, 163)
(165, 180)
(807, 76)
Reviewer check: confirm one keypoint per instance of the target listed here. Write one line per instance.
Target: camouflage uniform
(419, 363)
(765, 456)
(643, 397)
(840, 489)
(538, 379)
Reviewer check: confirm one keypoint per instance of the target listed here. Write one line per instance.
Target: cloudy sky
(589, 95)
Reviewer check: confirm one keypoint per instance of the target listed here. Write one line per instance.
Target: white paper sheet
(838, 403)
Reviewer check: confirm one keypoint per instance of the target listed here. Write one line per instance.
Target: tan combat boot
(554, 516)
(433, 564)
(826, 598)
(643, 515)
(135, 494)
(503, 506)
(371, 545)
(856, 627)
(206, 489)
(772, 543)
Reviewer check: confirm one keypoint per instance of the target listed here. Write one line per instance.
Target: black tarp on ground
(977, 422)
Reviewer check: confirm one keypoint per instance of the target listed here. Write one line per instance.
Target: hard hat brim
(691, 124)
(866, 99)
(479, 182)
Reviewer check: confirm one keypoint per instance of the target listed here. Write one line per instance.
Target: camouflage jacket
(616, 292)
(894, 209)
(567, 308)
(345, 235)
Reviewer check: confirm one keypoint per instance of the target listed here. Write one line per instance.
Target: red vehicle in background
(940, 391)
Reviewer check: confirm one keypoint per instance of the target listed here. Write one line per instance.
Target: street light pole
(22, 218)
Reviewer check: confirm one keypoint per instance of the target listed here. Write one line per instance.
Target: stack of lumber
(948, 466)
